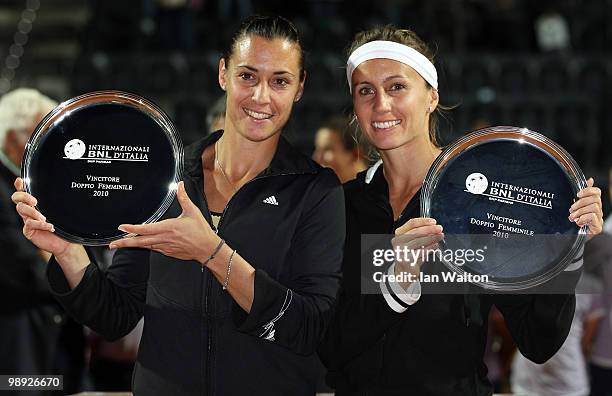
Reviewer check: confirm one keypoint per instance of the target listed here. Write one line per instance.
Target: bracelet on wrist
(214, 253)
(229, 269)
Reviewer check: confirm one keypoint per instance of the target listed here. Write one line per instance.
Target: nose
(261, 93)
(328, 158)
(382, 102)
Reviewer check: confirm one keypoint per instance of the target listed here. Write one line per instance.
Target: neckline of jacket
(286, 160)
(374, 188)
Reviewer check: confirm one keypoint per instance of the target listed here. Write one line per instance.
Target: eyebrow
(385, 80)
(253, 69)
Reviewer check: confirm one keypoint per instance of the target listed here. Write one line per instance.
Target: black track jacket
(196, 339)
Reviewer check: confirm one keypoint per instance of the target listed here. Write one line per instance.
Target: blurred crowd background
(543, 65)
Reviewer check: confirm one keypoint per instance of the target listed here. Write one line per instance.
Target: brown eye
(246, 76)
(397, 87)
(281, 82)
(366, 91)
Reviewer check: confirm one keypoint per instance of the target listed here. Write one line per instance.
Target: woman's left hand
(587, 210)
(187, 237)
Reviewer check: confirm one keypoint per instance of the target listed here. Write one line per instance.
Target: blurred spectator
(35, 335)
(111, 363)
(552, 32)
(499, 351)
(608, 223)
(564, 374)
(598, 260)
(336, 147)
(215, 118)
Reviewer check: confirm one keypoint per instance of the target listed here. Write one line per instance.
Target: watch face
(506, 192)
(100, 160)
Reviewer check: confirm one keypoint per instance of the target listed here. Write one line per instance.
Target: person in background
(499, 352)
(215, 117)
(565, 374)
(608, 223)
(598, 261)
(111, 363)
(36, 337)
(336, 147)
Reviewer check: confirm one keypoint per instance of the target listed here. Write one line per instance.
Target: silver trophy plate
(100, 160)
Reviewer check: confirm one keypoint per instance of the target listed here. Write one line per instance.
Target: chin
(258, 134)
(392, 142)
(386, 143)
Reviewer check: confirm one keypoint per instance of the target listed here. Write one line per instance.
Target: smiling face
(262, 81)
(331, 152)
(392, 103)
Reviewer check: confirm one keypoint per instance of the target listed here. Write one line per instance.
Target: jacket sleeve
(295, 315)
(360, 320)
(22, 271)
(111, 303)
(540, 323)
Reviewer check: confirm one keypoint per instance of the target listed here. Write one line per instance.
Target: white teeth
(385, 124)
(259, 116)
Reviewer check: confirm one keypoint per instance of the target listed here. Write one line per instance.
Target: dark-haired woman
(236, 284)
(337, 148)
(403, 341)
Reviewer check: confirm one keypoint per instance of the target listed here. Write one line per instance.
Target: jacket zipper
(209, 282)
(205, 321)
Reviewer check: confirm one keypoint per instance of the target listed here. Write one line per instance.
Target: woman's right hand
(35, 226)
(416, 237)
(71, 257)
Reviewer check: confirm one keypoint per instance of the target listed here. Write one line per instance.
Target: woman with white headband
(400, 341)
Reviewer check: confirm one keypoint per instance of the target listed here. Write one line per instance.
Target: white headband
(395, 51)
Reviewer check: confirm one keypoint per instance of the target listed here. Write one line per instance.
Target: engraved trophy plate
(100, 160)
(506, 191)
